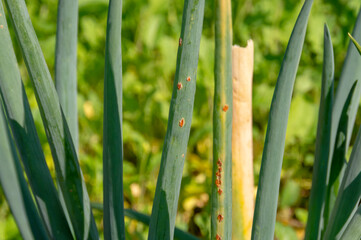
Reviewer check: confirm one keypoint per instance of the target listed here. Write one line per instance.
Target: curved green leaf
(15, 187)
(23, 128)
(349, 192)
(64, 154)
(269, 181)
(351, 72)
(66, 62)
(113, 142)
(353, 230)
(338, 161)
(321, 166)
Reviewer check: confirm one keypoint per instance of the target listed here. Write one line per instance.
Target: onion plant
(44, 211)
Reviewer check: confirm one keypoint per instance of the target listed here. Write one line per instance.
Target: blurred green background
(150, 32)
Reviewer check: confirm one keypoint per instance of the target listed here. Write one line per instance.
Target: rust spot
(218, 237)
(218, 174)
(218, 182)
(181, 122)
(220, 191)
(0, 14)
(188, 79)
(179, 86)
(225, 108)
(219, 163)
(1, 26)
(180, 41)
(183, 155)
(220, 217)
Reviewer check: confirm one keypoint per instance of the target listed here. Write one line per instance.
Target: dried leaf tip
(225, 108)
(179, 86)
(181, 122)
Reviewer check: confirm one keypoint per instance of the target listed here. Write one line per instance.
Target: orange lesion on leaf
(179, 86)
(218, 237)
(188, 79)
(225, 108)
(220, 217)
(181, 122)
(218, 182)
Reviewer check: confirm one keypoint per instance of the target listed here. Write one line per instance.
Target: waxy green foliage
(66, 63)
(26, 138)
(179, 123)
(15, 187)
(322, 163)
(113, 141)
(68, 171)
(269, 179)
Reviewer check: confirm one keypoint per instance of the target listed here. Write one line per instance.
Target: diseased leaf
(179, 123)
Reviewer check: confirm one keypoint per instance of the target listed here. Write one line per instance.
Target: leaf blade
(221, 212)
(112, 133)
(64, 154)
(15, 187)
(268, 187)
(321, 165)
(66, 63)
(179, 123)
(349, 193)
(23, 128)
(353, 230)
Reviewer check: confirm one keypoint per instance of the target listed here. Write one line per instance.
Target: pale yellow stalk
(242, 154)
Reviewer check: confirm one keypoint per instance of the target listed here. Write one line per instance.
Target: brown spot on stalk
(220, 191)
(218, 182)
(225, 108)
(188, 79)
(220, 217)
(218, 237)
(179, 86)
(219, 163)
(180, 41)
(218, 174)
(181, 122)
